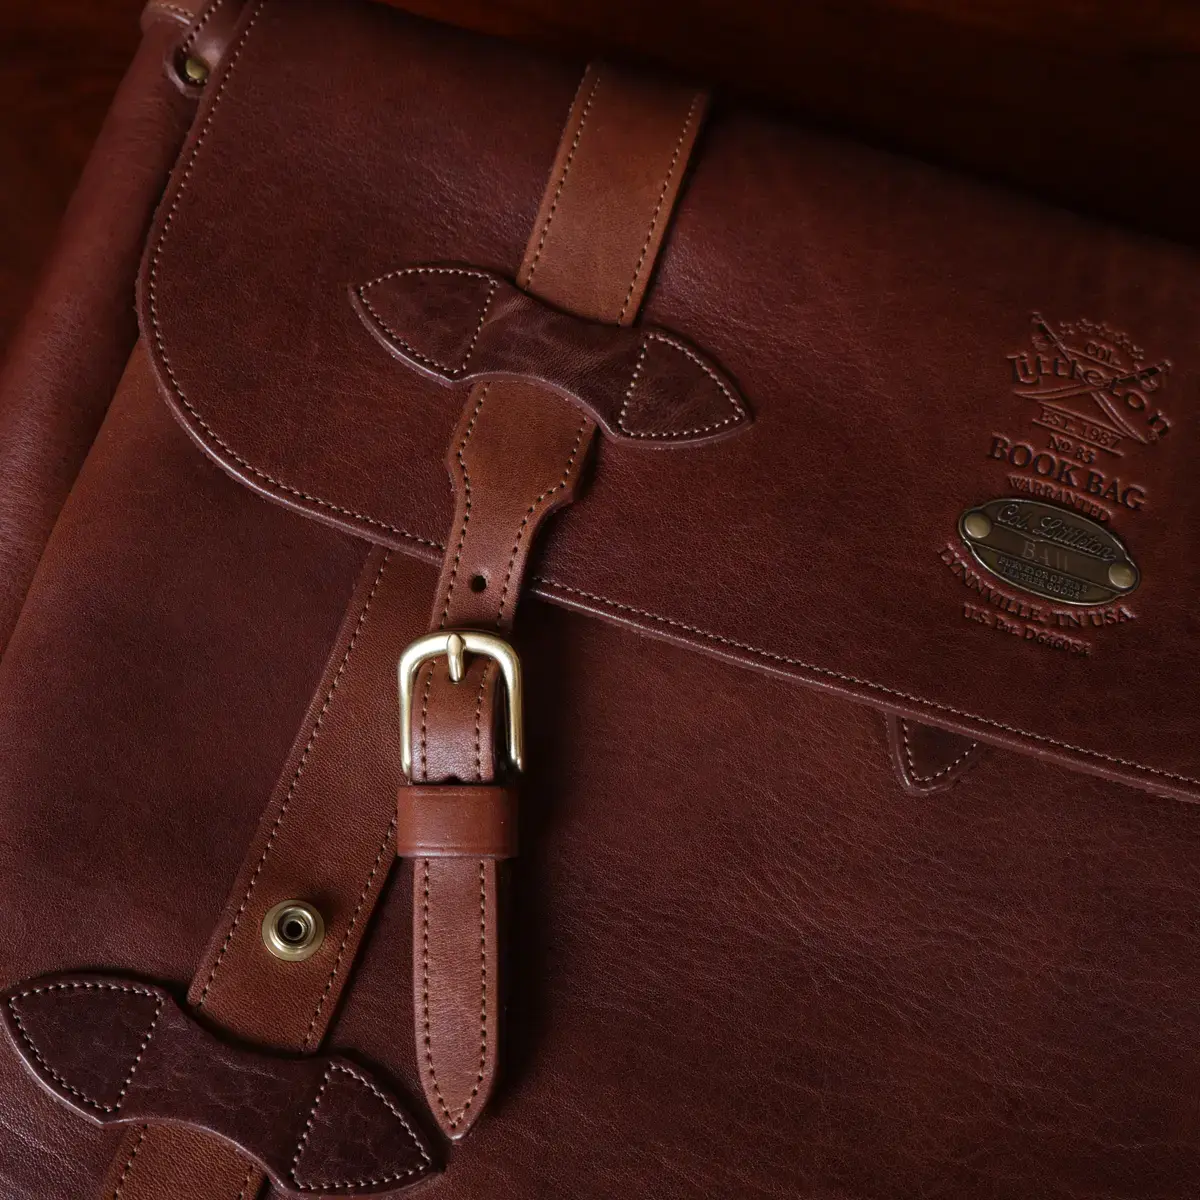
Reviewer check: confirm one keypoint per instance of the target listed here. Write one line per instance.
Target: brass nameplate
(1049, 551)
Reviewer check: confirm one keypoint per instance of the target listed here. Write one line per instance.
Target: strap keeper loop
(451, 820)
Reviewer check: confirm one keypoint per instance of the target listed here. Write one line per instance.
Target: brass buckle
(453, 644)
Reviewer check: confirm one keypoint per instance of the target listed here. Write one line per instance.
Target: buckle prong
(455, 644)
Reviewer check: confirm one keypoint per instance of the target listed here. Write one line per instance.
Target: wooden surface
(1095, 103)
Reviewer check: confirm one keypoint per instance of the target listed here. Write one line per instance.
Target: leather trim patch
(457, 324)
(928, 759)
(123, 1052)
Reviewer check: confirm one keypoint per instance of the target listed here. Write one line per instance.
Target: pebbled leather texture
(462, 325)
(122, 1052)
(928, 759)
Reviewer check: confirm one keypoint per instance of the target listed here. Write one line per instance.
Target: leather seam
(295, 781)
(208, 433)
(454, 1120)
(127, 1169)
(914, 774)
(345, 1183)
(246, 1184)
(550, 215)
(190, 40)
(662, 195)
(175, 10)
(739, 413)
(829, 673)
(90, 987)
(562, 483)
(432, 363)
(362, 899)
(614, 604)
(460, 454)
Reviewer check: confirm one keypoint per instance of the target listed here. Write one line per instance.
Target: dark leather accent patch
(458, 324)
(123, 1052)
(926, 758)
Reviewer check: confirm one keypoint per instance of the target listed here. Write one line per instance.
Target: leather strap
(115, 1050)
(456, 822)
(327, 836)
(516, 457)
(210, 25)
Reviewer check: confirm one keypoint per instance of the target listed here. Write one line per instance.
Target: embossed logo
(1092, 396)
(1089, 406)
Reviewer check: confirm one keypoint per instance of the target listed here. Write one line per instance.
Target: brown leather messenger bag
(822, 825)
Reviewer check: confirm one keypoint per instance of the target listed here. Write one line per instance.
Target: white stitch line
(295, 782)
(662, 195)
(91, 987)
(173, 9)
(432, 363)
(246, 1185)
(703, 633)
(128, 1168)
(912, 766)
(345, 1183)
(362, 899)
(190, 40)
(211, 434)
(739, 413)
(828, 673)
(566, 169)
(562, 483)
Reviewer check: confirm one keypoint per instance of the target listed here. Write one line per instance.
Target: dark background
(1094, 104)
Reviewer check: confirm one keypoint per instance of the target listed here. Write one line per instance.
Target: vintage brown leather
(742, 958)
(125, 1053)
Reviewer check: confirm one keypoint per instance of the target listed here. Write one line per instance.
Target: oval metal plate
(1049, 551)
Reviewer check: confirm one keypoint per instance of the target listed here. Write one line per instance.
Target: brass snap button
(293, 930)
(195, 70)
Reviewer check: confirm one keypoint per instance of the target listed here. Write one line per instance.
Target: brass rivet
(293, 930)
(195, 70)
(1121, 575)
(976, 525)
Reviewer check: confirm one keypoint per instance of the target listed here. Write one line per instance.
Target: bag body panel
(740, 953)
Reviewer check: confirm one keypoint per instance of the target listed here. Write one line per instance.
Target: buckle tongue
(454, 644)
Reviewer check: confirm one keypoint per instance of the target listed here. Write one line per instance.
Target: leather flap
(912, 345)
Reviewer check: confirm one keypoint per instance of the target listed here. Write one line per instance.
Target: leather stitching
(175, 10)
(870, 685)
(190, 40)
(89, 987)
(346, 1183)
(453, 1120)
(914, 774)
(758, 652)
(127, 1169)
(585, 424)
(460, 454)
(246, 1186)
(432, 363)
(565, 171)
(362, 899)
(697, 100)
(739, 413)
(267, 481)
(295, 781)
